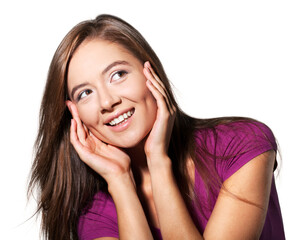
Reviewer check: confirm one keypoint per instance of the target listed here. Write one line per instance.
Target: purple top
(234, 144)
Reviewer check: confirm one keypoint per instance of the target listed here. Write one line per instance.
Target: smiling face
(108, 87)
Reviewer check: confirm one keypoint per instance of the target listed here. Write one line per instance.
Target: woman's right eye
(84, 94)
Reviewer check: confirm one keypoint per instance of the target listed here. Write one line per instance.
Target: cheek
(149, 104)
(88, 114)
(144, 95)
(139, 91)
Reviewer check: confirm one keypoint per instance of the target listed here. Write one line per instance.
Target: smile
(122, 118)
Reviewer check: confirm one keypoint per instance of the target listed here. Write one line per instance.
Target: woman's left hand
(157, 143)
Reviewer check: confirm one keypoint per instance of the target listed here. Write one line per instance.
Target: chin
(131, 141)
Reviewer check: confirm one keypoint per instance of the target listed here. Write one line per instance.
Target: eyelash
(87, 91)
(121, 72)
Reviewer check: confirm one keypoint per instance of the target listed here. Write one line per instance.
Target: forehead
(99, 50)
(93, 56)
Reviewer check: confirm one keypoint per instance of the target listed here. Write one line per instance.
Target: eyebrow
(76, 88)
(110, 66)
(113, 65)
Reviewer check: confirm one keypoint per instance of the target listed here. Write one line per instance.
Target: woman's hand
(156, 145)
(170, 206)
(107, 160)
(113, 165)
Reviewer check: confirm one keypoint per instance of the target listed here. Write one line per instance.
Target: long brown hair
(65, 185)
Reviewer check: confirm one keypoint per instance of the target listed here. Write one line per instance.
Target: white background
(224, 58)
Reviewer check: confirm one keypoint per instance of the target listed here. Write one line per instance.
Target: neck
(138, 162)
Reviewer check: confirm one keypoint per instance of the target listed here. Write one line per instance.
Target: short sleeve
(240, 142)
(99, 220)
(224, 149)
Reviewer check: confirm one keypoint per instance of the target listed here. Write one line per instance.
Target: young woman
(116, 158)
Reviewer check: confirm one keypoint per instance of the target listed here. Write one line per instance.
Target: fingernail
(148, 64)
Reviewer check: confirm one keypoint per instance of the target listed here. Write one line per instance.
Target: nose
(108, 100)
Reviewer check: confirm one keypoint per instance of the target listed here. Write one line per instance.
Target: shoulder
(236, 132)
(247, 128)
(99, 219)
(232, 144)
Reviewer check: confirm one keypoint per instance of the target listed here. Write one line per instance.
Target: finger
(160, 95)
(161, 100)
(155, 83)
(158, 84)
(85, 129)
(148, 66)
(72, 108)
(74, 136)
(101, 146)
(155, 76)
(151, 75)
(79, 147)
(82, 134)
(97, 140)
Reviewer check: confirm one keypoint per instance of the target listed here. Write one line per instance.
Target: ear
(72, 108)
(68, 104)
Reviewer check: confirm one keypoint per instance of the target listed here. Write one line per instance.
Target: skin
(135, 162)
(121, 87)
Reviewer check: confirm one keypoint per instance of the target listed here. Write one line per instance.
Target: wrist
(120, 182)
(158, 162)
(160, 168)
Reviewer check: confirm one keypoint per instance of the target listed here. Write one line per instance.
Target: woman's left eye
(117, 75)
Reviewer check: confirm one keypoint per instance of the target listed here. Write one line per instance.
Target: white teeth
(121, 118)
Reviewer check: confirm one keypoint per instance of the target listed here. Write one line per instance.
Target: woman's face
(108, 87)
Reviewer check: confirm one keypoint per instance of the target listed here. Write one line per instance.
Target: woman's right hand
(113, 164)
(108, 161)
